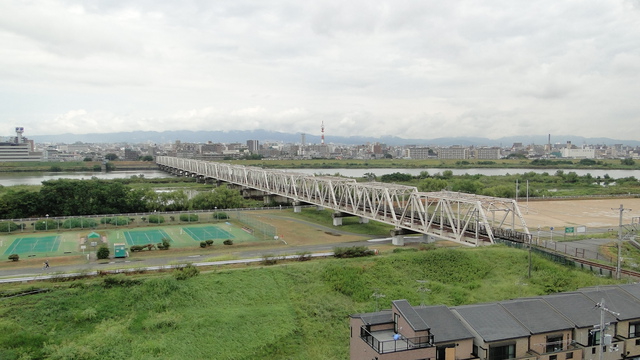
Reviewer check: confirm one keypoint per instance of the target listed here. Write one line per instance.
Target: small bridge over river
(464, 218)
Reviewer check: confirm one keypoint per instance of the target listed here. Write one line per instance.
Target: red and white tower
(322, 132)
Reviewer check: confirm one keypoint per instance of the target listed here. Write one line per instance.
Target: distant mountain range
(155, 137)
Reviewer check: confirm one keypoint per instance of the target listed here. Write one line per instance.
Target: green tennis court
(145, 237)
(207, 233)
(33, 244)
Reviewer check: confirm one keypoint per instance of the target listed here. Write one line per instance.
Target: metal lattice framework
(464, 218)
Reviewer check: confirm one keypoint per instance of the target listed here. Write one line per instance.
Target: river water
(10, 179)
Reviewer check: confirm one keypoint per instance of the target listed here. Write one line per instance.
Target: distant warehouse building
(18, 148)
(579, 153)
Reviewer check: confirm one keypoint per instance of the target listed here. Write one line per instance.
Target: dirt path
(590, 213)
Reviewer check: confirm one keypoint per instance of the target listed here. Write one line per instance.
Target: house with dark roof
(562, 326)
(404, 333)
(497, 334)
(551, 335)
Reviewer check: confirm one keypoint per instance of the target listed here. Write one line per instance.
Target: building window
(569, 356)
(502, 352)
(553, 357)
(396, 317)
(634, 330)
(594, 338)
(442, 350)
(638, 342)
(554, 343)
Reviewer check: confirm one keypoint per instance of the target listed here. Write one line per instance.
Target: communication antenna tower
(322, 131)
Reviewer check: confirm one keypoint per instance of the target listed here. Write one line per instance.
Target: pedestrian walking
(46, 265)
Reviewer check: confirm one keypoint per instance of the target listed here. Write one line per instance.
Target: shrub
(80, 223)
(185, 272)
(156, 219)
(189, 217)
(165, 244)
(209, 242)
(103, 252)
(269, 259)
(220, 215)
(203, 244)
(48, 224)
(304, 256)
(351, 252)
(135, 248)
(8, 226)
(14, 257)
(228, 242)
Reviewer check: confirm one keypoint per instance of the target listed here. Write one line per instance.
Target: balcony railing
(390, 346)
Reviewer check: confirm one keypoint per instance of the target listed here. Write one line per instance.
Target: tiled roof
(445, 326)
(536, 315)
(492, 322)
(408, 312)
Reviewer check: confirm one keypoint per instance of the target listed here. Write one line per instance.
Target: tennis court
(33, 244)
(145, 237)
(207, 233)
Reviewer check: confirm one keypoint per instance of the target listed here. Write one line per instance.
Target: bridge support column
(364, 220)
(397, 237)
(428, 238)
(297, 207)
(337, 221)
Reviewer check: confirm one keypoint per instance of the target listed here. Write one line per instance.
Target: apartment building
(563, 326)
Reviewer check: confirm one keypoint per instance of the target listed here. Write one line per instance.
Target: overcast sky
(414, 69)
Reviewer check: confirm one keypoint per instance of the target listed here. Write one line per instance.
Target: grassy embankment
(296, 311)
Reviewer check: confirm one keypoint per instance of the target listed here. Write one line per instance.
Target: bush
(165, 244)
(103, 252)
(189, 217)
(156, 219)
(185, 272)
(354, 251)
(228, 242)
(79, 223)
(48, 224)
(135, 248)
(304, 256)
(269, 259)
(209, 242)
(203, 244)
(8, 226)
(116, 220)
(14, 257)
(220, 215)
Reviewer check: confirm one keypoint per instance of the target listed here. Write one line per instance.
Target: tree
(87, 159)
(221, 197)
(103, 252)
(627, 161)
(147, 158)
(111, 156)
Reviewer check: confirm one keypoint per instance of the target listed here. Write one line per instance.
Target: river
(10, 179)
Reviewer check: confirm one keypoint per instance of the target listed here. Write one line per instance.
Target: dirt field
(590, 213)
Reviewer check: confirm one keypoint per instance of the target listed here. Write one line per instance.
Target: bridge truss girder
(463, 218)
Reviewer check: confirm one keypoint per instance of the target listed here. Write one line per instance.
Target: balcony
(383, 341)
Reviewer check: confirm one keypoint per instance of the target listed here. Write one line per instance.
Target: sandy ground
(590, 213)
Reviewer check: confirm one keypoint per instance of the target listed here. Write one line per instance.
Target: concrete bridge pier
(428, 238)
(364, 220)
(397, 237)
(297, 207)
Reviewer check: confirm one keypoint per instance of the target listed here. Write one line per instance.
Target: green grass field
(298, 311)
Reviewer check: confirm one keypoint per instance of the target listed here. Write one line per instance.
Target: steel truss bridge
(464, 218)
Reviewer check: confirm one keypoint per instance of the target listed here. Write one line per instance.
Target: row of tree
(65, 197)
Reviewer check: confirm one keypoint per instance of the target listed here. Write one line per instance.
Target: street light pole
(46, 223)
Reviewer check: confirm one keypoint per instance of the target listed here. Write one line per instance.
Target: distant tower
(302, 141)
(322, 131)
(19, 131)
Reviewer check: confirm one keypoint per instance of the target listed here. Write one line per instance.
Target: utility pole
(619, 262)
(601, 327)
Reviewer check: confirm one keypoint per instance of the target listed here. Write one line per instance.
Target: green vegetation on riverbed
(296, 311)
(437, 163)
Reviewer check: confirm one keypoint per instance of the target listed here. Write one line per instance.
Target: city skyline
(377, 68)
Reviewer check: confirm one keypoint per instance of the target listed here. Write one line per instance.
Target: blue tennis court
(202, 233)
(145, 237)
(33, 244)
